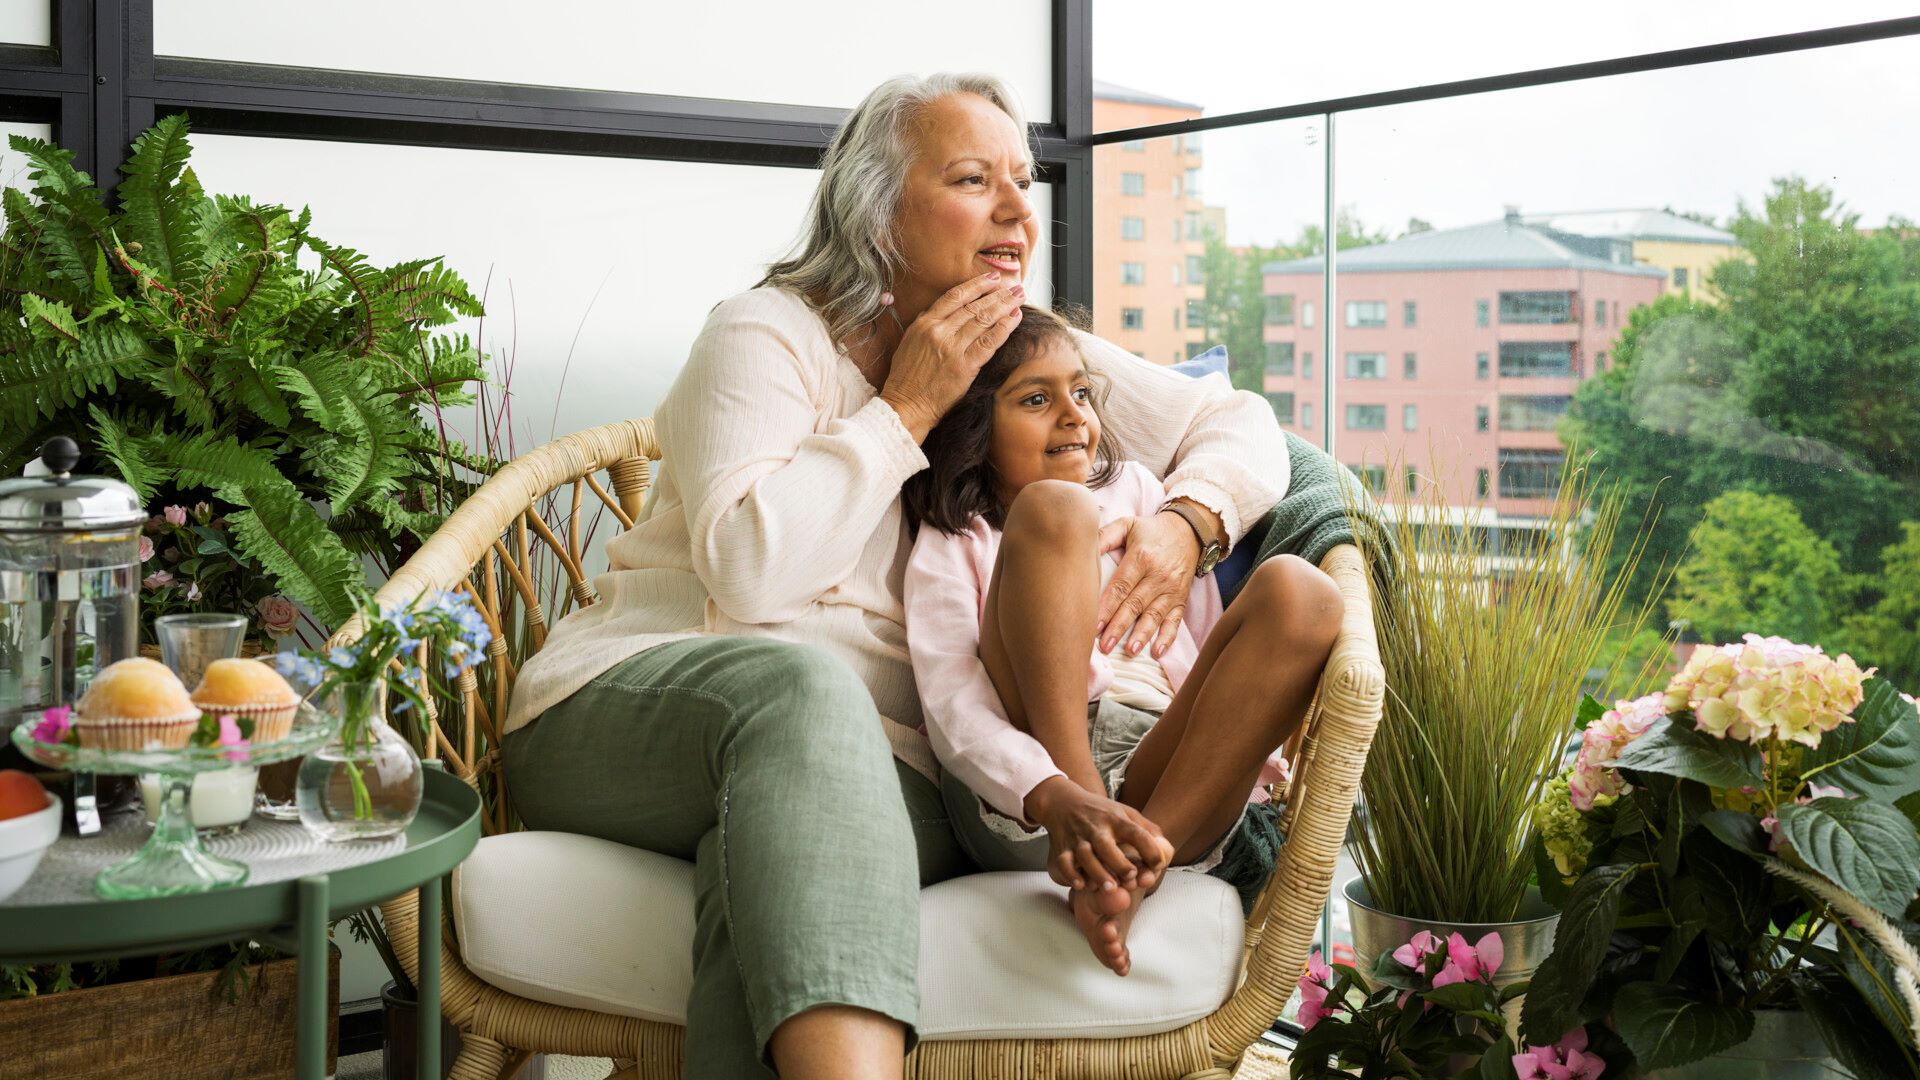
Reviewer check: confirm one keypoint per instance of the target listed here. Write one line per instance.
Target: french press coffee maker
(69, 590)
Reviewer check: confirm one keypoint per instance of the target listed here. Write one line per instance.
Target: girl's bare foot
(1105, 917)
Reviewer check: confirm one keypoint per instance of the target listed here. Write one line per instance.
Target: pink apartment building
(1458, 351)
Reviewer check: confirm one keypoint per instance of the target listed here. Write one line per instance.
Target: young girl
(1101, 769)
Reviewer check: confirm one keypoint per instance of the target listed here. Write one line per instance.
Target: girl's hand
(1143, 602)
(947, 345)
(1095, 842)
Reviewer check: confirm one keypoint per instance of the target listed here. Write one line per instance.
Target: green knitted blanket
(1313, 518)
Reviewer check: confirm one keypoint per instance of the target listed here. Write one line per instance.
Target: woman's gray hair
(849, 250)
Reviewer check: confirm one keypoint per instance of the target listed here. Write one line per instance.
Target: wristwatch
(1212, 548)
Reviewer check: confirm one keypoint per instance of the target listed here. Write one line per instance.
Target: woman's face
(964, 210)
(1044, 426)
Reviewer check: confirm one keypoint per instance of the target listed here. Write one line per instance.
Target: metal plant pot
(1784, 1046)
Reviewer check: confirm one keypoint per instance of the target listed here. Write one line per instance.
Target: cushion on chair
(596, 925)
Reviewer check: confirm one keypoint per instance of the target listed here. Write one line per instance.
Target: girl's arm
(780, 503)
(1218, 446)
(969, 728)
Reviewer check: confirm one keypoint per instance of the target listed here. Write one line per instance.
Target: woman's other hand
(1147, 595)
(947, 345)
(1094, 842)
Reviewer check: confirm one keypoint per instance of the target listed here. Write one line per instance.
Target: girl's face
(1044, 426)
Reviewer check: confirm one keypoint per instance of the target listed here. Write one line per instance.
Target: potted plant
(1486, 643)
(221, 355)
(1736, 859)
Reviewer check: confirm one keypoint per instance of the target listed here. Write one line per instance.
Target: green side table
(297, 884)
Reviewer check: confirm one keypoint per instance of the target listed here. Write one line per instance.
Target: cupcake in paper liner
(249, 690)
(135, 704)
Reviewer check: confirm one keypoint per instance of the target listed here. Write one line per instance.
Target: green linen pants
(764, 763)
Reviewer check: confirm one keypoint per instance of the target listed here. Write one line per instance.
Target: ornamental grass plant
(1486, 645)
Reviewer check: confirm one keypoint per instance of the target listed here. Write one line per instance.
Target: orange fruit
(20, 794)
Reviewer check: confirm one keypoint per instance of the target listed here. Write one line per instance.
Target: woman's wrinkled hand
(946, 346)
(1147, 595)
(1094, 842)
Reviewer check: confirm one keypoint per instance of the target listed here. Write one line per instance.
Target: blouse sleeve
(1218, 446)
(780, 501)
(966, 722)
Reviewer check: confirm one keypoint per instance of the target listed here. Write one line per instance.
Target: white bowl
(23, 840)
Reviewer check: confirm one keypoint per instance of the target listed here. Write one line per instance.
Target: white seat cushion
(597, 925)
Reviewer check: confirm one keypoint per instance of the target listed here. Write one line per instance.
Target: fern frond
(239, 382)
(231, 469)
(63, 263)
(363, 285)
(53, 167)
(429, 294)
(367, 457)
(243, 242)
(130, 455)
(317, 383)
(160, 202)
(186, 395)
(38, 381)
(451, 367)
(282, 532)
(49, 320)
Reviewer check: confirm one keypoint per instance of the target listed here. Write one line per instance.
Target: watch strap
(1212, 548)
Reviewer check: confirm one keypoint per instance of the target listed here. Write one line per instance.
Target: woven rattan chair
(491, 547)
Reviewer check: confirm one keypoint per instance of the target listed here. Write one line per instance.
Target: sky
(1702, 138)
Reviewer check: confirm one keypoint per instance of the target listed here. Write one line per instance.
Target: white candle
(219, 798)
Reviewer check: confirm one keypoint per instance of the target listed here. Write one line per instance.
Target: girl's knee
(1297, 596)
(1053, 511)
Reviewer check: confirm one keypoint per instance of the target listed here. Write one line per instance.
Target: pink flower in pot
(278, 616)
(1565, 1060)
(1313, 992)
(175, 515)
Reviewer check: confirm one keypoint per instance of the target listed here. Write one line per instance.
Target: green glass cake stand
(172, 861)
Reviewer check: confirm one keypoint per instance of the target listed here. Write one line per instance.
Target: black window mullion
(1072, 225)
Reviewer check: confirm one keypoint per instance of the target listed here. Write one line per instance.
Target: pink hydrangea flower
(54, 724)
(1768, 688)
(278, 616)
(175, 515)
(1313, 992)
(1594, 781)
(1565, 1060)
(158, 579)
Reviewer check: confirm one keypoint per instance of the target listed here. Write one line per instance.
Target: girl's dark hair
(958, 483)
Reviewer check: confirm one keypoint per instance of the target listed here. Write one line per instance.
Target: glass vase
(365, 784)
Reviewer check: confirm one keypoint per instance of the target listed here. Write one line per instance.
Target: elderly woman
(742, 697)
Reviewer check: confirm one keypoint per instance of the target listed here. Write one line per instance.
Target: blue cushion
(1239, 562)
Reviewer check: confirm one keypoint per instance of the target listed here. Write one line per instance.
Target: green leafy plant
(1747, 839)
(1485, 653)
(216, 350)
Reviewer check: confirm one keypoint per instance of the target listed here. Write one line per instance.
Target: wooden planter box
(179, 1027)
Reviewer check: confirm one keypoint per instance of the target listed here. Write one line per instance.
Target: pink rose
(175, 515)
(54, 724)
(1313, 992)
(158, 580)
(278, 616)
(146, 549)
(1564, 1060)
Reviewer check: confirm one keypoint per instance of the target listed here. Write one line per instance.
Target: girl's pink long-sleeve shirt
(946, 602)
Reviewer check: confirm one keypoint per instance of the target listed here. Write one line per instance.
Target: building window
(1176, 230)
(1134, 146)
(1279, 310)
(1306, 414)
(1536, 360)
(1480, 313)
(1282, 402)
(1480, 479)
(1366, 313)
(1196, 269)
(1280, 358)
(1599, 313)
(1195, 348)
(1193, 142)
(1133, 183)
(1366, 418)
(1409, 365)
(1482, 417)
(1176, 185)
(1679, 277)
(1480, 366)
(1176, 273)
(1409, 417)
(1530, 474)
(1133, 273)
(1616, 313)
(1196, 228)
(1374, 477)
(1366, 365)
(1133, 318)
(1306, 365)
(1536, 307)
(1193, 184)
(1176, 318)
(1196, 312)
(1306, 313)
(1413, 480)
(1536, 412)
(1176, 145)
(1408, 313)
(1133, 228)
(1600, 361)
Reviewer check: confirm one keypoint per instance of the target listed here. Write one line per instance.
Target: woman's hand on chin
(1147, 595)
(945, 347)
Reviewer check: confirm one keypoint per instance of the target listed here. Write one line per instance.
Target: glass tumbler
(188, 643)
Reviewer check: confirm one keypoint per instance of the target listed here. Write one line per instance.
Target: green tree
(1348, 228)
(1888, 633)
(1755, 567)
(1235, 306)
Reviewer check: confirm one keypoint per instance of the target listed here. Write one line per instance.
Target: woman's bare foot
(1105, 917)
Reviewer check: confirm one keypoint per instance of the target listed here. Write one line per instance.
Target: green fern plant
(204, 347)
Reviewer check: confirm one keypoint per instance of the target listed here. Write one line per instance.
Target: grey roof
(1497, 245)
(1107, 91)
(1632, 225)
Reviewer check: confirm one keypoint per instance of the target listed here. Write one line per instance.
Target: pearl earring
(886, 299)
